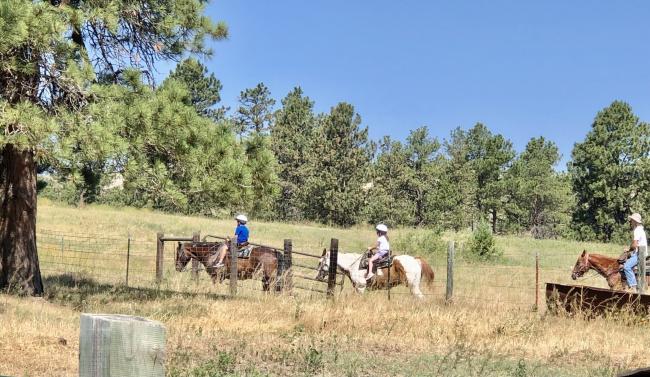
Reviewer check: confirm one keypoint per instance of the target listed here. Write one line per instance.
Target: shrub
(418, 242)
(482, 245)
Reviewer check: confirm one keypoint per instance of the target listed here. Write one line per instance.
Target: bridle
(585, 267)
(191, 254)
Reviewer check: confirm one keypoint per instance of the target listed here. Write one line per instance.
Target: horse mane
(604, 259)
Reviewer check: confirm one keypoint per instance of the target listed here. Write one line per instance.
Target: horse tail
(427, 271)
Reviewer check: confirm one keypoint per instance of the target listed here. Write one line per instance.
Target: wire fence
(516, 281)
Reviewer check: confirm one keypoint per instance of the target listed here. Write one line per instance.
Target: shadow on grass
(76, 291)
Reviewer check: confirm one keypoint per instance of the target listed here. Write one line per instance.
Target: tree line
(84, 121)
(175, 148)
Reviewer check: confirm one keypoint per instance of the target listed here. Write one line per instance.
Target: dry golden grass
(490, 328)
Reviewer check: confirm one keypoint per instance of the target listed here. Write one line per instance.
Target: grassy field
(490, 329)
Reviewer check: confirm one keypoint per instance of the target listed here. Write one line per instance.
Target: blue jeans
(627, 268)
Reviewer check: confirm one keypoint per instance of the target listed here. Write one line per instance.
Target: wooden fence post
(121, 345)
(536, 308)
(643, 252)
(159, 257)
(196, 237)
(334, 256)
(288, 262)
(279, 271)
(233, 267)
(128, 256)
(388, 275)
(450, 271)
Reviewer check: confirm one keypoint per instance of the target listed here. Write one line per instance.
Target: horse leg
(413, 278)
(266, 282)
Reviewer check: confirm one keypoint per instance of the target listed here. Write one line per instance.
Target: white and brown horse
(405, 270)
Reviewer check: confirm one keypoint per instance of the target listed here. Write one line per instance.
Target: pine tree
(389, 200)
(490, 157)
(458, 183)
(610, 172)
(178, 160)
(50, 52)
(339, 168)
(264, 179)
(292, 137)
(204, 88)
(539, 196)
(255, 111)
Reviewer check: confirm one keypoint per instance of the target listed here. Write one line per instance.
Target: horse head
(182, 257)
(582, 265)
(323, 266)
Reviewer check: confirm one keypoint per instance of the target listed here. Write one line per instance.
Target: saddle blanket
(245, 252)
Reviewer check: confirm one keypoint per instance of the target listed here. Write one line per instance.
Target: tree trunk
(494, 221)
(19, 267)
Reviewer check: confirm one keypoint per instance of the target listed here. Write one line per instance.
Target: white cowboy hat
(242, 218)
(382, 228)
(636, 217)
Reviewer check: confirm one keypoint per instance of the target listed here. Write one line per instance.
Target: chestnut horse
(405, 270)
(607, 267)
(261, 259)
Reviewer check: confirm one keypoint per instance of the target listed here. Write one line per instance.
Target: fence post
(288, 263)
(536, 308)
(279, 271)
(159, 257)
(388, 275)
(128, 256)
(233, 267)
(643, 252)
(334, 256)
(196, 237)
(450, 271)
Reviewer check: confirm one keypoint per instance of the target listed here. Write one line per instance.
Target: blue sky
(523, 68)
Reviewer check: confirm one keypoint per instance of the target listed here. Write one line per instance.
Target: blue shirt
(242, 233)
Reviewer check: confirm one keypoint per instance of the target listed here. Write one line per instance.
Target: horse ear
(324, 252)
(584, 252)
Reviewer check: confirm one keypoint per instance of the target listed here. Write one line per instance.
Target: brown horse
(607, 267)
(261, 260)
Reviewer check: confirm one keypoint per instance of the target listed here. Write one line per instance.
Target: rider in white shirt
(638, 239)
(382, 246)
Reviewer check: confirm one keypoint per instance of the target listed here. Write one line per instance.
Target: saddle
(379, 264)
(245, 252)
(624, 256)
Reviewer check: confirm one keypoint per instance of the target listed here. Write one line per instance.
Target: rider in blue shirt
(241, 232)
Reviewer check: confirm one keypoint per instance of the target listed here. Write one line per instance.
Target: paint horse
(605, 266)
(260, 260)
(405, 270)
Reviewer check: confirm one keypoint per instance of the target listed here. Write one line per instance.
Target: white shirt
(384, 245)
(639, 236)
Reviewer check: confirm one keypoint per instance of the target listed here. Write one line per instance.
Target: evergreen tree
(178, 160)
(458, 182)
(389, 200)
(339, 168)
(292, 137)
(425, 179)
(264, 179)
(49, 54)
(255, 111)
(539, 197)
(204, 87)
(610, 173)
(490, 156)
